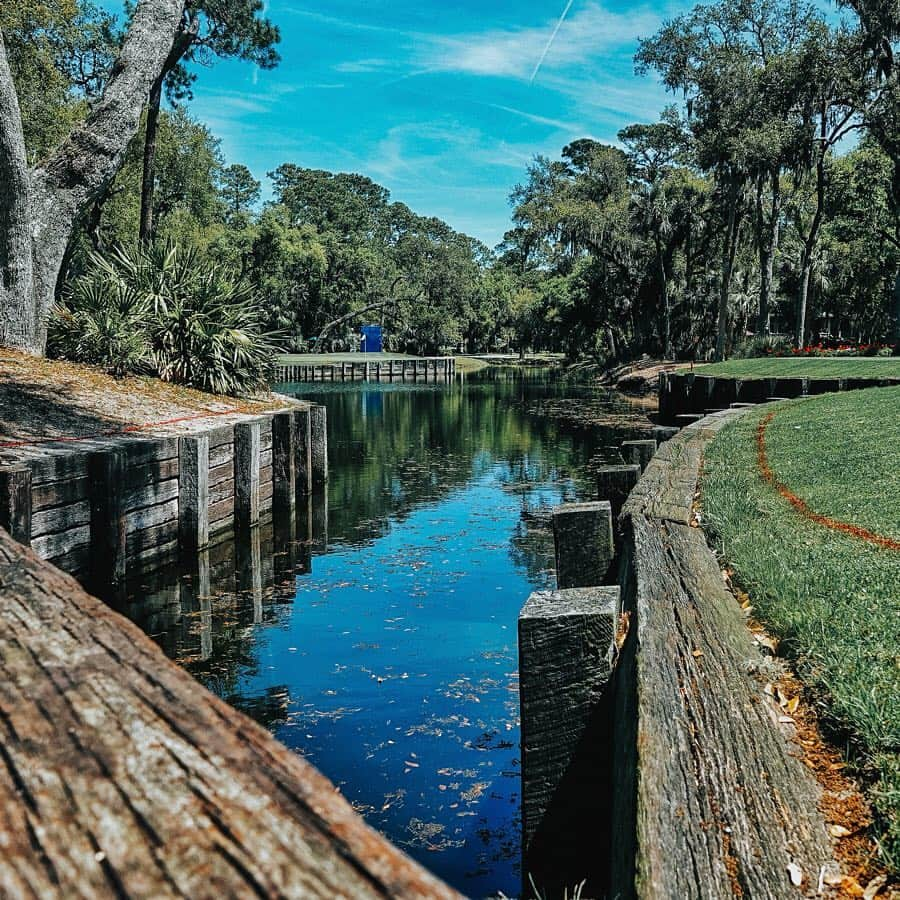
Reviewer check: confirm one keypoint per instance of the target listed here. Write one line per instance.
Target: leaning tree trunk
(148, 184)
(39, 207)
(16, 263)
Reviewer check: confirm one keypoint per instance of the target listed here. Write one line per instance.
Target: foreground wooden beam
(120, 776)
(711, 799)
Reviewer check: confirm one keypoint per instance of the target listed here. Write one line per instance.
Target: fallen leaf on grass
(697, 653)
(839, 831)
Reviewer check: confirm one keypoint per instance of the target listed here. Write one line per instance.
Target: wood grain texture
(121, 776)
(712, 800)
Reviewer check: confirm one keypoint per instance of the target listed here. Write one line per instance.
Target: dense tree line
(767, 201)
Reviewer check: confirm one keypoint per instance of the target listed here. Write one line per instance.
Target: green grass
(469, 364)
(810, 367)
(833, 599)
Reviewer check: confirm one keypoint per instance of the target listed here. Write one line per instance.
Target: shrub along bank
(817, 547)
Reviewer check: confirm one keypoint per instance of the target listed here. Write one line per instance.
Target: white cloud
(586, 34)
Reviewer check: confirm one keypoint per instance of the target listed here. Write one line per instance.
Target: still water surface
(390, 661)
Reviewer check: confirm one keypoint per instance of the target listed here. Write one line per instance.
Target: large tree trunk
(896, 329)
(812, 238)
(39, 207)
(149, 174)
(664, 297)
(768, 247)
(729, 247)
(16, 264)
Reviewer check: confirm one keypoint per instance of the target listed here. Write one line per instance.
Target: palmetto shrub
(102, 321)
(169, 310)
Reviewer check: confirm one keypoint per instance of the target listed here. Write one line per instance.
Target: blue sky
(442, 103)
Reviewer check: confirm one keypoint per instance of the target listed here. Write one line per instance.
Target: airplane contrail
(540, 62)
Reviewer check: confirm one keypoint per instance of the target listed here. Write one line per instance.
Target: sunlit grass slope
(809, 367)
(832, 598)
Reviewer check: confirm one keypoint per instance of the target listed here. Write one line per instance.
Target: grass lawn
(832, 598)
(811, 367)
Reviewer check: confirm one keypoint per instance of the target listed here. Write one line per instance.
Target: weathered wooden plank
(60, 518)
(16, 502)
(667, 487)
(221, 490)
(151, 542)
(59, 493)
(51, 546)
(221, 454)
(58, 465)
(222, 472)
(151, 494)
(139, 475)
(711, 797)
(221, 514)
(284, 464)
(122, 776)
(148, 516)
(220, 436)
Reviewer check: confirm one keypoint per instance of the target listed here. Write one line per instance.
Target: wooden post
(583, 538)
(284, 465)
(614, 483)
(318, 433)
(15, 502)
(193, 492)
(639, 453)
(302, 452)
(106, 476)
(318, 524)
(566, 652)
(664, 432)
(246, 474)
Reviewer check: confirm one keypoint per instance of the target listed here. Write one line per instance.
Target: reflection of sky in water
(393, 668)
(400, 663)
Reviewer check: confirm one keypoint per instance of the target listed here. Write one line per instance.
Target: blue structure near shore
(370, 339)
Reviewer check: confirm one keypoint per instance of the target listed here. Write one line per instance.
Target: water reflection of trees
(394, 448)
(204, 612)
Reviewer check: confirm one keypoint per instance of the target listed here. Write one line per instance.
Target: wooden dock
(120, 776)
(432, 368)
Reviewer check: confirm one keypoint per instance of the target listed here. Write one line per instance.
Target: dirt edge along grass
(831, 598)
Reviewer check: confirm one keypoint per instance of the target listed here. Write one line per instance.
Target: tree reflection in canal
(391, 664)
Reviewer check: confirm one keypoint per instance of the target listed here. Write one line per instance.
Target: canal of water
(382, 647)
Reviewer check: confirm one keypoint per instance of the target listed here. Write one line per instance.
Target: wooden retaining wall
(698, 789)
(689, 393)
(432, 368)
(711, 798)
(120, 776)
(98, 508)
